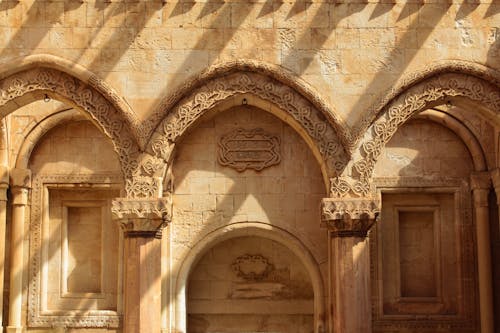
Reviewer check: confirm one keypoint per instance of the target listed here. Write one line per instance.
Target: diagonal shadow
(222, 41)
(340, 11)
(432, 15)
(32, 31)
(492, 10)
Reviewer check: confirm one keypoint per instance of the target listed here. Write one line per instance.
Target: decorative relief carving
(36, 316)
(469, 69)
(342, 186)
(416, 99)
(252, 267)
(249, 149)
(206, 97)
(142, 217)
(262, 280)
(85, 97)
(268, 72)
(349, 217)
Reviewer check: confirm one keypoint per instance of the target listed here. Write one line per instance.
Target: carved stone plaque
(249, 149)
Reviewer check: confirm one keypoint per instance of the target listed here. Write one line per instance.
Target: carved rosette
(142, 217)
(349, 217)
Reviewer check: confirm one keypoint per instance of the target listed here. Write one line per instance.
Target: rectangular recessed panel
(417, 254)
(84, 250)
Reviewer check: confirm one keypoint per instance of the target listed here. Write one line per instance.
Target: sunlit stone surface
(249, 166)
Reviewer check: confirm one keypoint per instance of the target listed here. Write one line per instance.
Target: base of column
(13, 329)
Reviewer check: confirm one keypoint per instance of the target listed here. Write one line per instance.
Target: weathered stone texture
(277, 166)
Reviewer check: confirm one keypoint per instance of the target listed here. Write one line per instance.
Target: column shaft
(143, 285)
(3, 220)
(484, 259)
(351, 278)
(19, 199)
(348, 221)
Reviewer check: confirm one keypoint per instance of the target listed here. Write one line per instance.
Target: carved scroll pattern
(399, 111)
(439, 68)
(249, 149)
(85, 97)
(208, 96)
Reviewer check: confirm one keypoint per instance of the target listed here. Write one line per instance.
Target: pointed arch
(424, 90)
(286, 96)
(33, 77)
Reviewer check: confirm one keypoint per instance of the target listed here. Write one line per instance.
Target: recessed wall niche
(75, 256)
(250, 284)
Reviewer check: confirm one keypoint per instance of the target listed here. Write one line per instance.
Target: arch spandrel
(426, 93)
(326, 137)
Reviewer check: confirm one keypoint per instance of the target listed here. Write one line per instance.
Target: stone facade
(257, 166)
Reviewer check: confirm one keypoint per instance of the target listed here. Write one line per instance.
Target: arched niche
(269, 236)
(249, 283)
(212, 197)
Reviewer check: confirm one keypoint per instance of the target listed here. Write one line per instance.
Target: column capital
(495, 178)
(349, 217)
(142, 217)
(480, 180)
(20, 178)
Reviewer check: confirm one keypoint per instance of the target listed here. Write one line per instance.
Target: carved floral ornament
(83, 96)
(349, 217)
(395, 114)
(206, 97)
(143, 171)
(142, 216)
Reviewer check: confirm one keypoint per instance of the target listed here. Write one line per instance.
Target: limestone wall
(209, 196)
(357, 50)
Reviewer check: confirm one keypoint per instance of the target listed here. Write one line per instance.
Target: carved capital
(20, 178)
(495, 178)
(142, 217)
(349, 217)
(480, 181)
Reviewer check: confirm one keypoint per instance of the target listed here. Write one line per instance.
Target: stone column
(495, 177)
(348, 221)
(480, 184)
(20, 184)
(4, 184)
(142, 221)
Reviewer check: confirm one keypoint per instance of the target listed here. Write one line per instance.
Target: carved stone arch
(240, 229)
(317, 122)
(435, 89)
(38, 76)
(438, 68)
